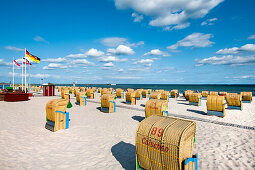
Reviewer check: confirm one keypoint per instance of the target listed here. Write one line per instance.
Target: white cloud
(120, 70)
(169, 12)
(157, 52)
(245, 77)
(247, 47)
(127, 77)
(55, 60)
(44, 76)
(3, 63)
(116, 41)
(177, 27)
(94, 53)
(235, 50)
(40, 39)
(145, 62)
(81, 55)
(52, 66)
(112, 59)
(121, 50)
(251, 37)
(113, 41)
(14, 48)
(138, 18)
(110, 64)
(209, 21)
(195, 40)
(227, 60)
(82, 62)
(39, 75)
(136, 44)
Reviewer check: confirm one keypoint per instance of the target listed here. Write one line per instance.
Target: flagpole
(29, 77)
(22, 71)
(13, 73)
(25, 73)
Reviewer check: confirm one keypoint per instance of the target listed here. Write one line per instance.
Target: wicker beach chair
(216, 106)
(165, 143)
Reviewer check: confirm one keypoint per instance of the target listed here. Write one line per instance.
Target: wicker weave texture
(155, 107)
(118, 92)
(234, 99)
(56, 105)
(215, 103)
(155, 95)
(164, 142)
(164, 95)
(215, 93)
(106, 98)
(246, 96)
(195, 97)
(205, 93)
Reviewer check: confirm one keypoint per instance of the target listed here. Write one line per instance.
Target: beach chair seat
(108, 104)
(156, 107)
(90, 93)
(138, 94)
(174, 93)
(195, 99)
(145, 93)
(165, 143)
(165, 95)
(155, 95)
(187, 93)
(130, 98)
(56, 116)
(246, 97)
(120, 93)
(234, 101)
(215, 105)
(205, 93)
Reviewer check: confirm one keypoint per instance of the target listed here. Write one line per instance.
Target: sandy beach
(97, 140)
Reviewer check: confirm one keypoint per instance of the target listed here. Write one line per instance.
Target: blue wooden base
(193, 159)
(235, 107)
(215, 113)
(246, 101)
(106, 109)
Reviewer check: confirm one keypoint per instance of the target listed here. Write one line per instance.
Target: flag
(16, 63)
(27, 62)
(32, 57)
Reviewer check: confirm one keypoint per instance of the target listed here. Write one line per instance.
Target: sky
(130, 42)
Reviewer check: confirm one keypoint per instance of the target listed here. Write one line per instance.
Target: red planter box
(14, 97)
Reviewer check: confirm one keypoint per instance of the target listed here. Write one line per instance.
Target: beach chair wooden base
(52, 126)
(246, 101)
(110, 109)
(83, 101)
(215, 113)
(235, 107)
(132, 102)
(188, 164)
(121, 97)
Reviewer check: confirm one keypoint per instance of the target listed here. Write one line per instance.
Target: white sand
(97, 140)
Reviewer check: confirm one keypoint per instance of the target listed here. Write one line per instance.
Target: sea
(230, 88)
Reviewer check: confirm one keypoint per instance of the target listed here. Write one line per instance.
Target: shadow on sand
(197, 111)
(138, 118)
(99, 108)
(143, 105)
(183, 103)
(125, 154)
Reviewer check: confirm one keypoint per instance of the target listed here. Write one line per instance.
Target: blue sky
(126, 41)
